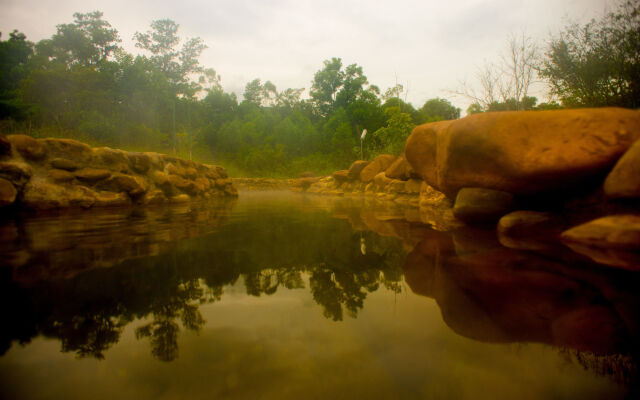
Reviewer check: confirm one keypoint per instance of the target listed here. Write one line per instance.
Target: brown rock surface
(15, 171)
(341, 176)
(75, 175)
(140, 162)
(60, 175)
(529, 223)
(63, 163)
(29, 147)
(399, 169)
(614, 231)
(356, 168)
(379, 164)
(522, 152)
(92, 175)
(624, 179)
(69, 149)
(7, 192)
(5, 146)
(479, 205)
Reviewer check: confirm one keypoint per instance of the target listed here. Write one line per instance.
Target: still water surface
(279, 295)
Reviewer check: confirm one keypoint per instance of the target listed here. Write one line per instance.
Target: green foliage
(597, 64)
(436, 110)
(392, 137)
(79, 83)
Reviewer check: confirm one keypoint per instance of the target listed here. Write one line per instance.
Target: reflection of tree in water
(89, 312)
(89, 336)
(163, 330)
(267, 281)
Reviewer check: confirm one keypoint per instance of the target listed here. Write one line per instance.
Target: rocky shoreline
(45, 174)
(569, 175)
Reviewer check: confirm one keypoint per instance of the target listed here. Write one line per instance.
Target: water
(281, 295)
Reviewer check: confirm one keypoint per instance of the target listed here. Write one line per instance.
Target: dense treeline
(80, 83)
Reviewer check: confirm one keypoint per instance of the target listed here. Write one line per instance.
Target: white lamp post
(364, 133)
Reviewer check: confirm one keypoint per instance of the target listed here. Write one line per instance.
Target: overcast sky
(427, 45)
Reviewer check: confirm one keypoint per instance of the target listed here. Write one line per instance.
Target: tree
(597, 64)
(392, 137)
(325, 85)
(88, 41)
(177, 65)
(508, 79)
(262, 94)
(435, 110)
(14, 56)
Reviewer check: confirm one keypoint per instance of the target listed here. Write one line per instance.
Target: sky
(428, 46)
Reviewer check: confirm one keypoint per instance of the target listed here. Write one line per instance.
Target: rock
(110, 199)
(222, 183)
(341, 176)
(81, 196)
(231, 190)
(60, 175)
(30, 148)
(181, 198)
(139, 162)
(304, 183)
(614, 231)
(413, 186)
(153, 197)
(379, 164)
(395, 185)
(124, 183)
(221, 171)
(399, 169)
(92, 175)
(355, 169)
(5, 146)
(627, 259)
(426, 149)
(114, 160)
(381, 180)
(191, 173)
(624, 179)
(42, 195)
(161, 180)
(63, 163)
(69, 149)
(523, 152)
(479, 205)
(8, 193)
(202, 183)
(175, 169)
(529, 224)
(307, 174)
(17, 172)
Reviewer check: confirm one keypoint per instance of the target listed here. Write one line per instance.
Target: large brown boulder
(521, 152)
(379, 164)
(624, 179)
(356, 168)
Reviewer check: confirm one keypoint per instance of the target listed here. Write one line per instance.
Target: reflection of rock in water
(490, 293)
(64, 245)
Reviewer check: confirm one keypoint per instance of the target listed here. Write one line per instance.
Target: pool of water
(281, 295)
